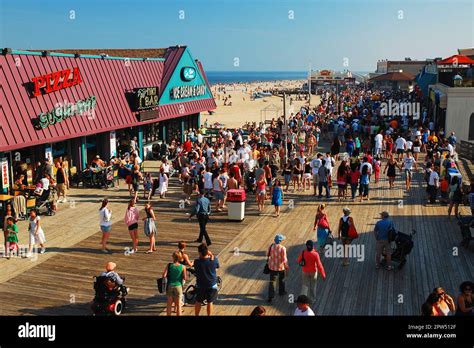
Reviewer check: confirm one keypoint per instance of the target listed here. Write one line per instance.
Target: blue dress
(277, 196)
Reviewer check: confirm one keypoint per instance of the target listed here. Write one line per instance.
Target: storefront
(76, 106)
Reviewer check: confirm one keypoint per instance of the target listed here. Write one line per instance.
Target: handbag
(302, 263)
(266, 269)
(161, 283)
(352, 232)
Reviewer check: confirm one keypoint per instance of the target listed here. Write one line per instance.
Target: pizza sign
(55, 81)
(5, 180)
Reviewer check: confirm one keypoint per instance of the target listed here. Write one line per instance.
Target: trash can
(236, 205)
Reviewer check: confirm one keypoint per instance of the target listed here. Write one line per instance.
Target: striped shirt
(277, 260)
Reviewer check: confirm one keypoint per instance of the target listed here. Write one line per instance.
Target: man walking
(381, 233)
(310, 265)
(315, 164)
(324, 175)
(278, 265)
(202, 210)
(206, 279)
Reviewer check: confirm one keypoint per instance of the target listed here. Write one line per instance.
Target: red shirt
(312, 261)
(188, 145)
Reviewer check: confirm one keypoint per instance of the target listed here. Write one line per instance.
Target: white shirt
(409, 145)
(209, 151)
(408, 163)
(199, 138)
(308, 313)
(315, 164)
(105, 216)
(378, 140)
(450, 149)
(45, 183)
(328, 163)
(433, 176)
(400, 143)
(207, 180)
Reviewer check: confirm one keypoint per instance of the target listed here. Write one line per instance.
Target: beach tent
(270, 111)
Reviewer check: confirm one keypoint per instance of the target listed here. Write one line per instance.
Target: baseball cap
(279, 238)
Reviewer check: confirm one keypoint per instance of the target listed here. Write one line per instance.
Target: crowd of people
(284, 155)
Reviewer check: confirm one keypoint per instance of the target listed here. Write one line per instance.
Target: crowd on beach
(269, 160)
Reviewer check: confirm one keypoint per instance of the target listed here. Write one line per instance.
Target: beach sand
(243, 109)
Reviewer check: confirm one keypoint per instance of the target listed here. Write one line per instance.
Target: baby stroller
(109, 296)
(404, 245)
(466, 224)
(45, 203)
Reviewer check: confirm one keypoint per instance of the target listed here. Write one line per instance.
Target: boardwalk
(62, 284)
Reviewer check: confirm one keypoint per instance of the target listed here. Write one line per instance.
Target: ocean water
(215, 77)
(250, 76)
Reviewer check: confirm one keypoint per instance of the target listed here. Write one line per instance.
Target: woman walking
(297, 171)
(321, 226)
(36, 233)
(307, 175)
(150, 226)
(131, 220)
(287, 175)
(342, 173)
(218, 191)
(261, 192)
(390, 169)
(163, 187)
(277, 197)
(455, 196)
(354, 176)
(336, 148)
(175, 273)
(343, 232)
(136, 178)
(105, 218)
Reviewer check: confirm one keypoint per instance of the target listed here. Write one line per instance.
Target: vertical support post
(83, 153)
(182, 129)
(163, 130)
(140, 141)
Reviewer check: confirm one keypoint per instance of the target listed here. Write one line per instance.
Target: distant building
(451, 98)
(393, 81)
(412, 67)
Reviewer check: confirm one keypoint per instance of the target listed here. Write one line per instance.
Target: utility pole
(285, 126)
(309, 85)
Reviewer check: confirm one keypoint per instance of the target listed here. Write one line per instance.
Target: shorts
(400, 151)
(105, 229)
(416, 149)
(315, 179)
(61, 188)
(287, 178)
(39, 239)
(174, 291)
(261, 192)
(135, 187)
(219, 195)
(408, 173)
(209, 295)
(378, 150)
(296, 176)
(381, 245)
(133, 226)
(307, 175)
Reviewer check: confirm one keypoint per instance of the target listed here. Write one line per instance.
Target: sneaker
(65, 200)
(43, 250)
(28, 255)
(131, 251)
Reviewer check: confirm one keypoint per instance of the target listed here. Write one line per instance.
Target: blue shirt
(381, 229)
(364, 179)
(206, 272)
(203, 205)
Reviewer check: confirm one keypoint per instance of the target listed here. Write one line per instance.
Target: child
(377, 165)
(444, 186)
(12, 237)
(147, 186)
(36, 233)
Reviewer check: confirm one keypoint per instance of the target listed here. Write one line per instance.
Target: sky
(249, 35)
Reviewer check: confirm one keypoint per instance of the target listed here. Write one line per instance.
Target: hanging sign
(55, 81)
(5, 178)
(64, 111)
(145, 98)
(113, 144)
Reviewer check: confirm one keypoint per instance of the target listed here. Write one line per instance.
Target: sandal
(148, 251)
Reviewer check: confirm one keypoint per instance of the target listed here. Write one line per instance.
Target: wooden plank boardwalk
(62, 285)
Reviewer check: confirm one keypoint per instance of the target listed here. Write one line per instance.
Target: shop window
(471, 127)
